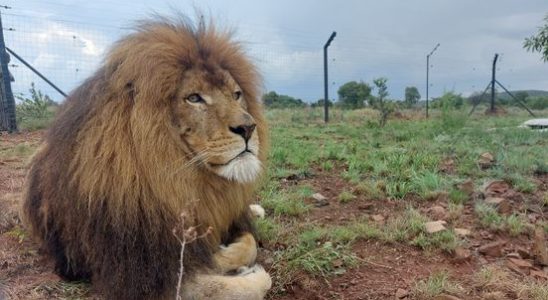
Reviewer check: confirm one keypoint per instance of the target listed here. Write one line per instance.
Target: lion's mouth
(242, 155)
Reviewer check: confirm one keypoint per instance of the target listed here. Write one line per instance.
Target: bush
(35, 112)
(537, 102)
(449, 100)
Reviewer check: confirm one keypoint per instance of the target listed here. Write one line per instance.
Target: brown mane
(108, 186)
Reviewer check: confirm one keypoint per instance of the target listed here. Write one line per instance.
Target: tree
(273, 100)
(412, 96)
(353, 94)
(522, 96)
(539, 42)
(319, 103)
(382, 92)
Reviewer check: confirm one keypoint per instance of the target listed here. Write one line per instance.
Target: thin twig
(185, 236)
(374, 264)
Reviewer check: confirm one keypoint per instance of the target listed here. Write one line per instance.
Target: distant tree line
(273, 100)
(359, 94)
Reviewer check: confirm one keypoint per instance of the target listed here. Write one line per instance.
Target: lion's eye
(194, 98)
(237, 95)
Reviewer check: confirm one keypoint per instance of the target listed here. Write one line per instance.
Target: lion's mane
(107, 188)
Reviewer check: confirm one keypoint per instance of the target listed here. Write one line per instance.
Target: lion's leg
(251, 284)
(240, 253)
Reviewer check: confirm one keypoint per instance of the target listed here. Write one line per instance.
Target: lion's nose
(244, 131)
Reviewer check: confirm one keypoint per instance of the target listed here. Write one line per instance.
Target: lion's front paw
(238, 254)
(258, 276)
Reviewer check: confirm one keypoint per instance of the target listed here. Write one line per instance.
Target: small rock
(523, 253)
(268, 261)
(462, 232)
(533, 217)
(513, 267)
(319, 197)
(321, 203)
(540, 249)
(337, 263)
(467, 187)
(320, 200)
(377, 218)
(446, 297)
(438, 212)
(365, 206)
(513, 255)
(462, 254)
(502, 204)
(493, 296)
(447, 165)
(493, 249)
(401, 293)
(539, 274)
(486, 160)
(493, 188)
(521, 263)
(435, 226)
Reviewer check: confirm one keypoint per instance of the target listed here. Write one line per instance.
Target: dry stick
(373, 264)
(188, 235)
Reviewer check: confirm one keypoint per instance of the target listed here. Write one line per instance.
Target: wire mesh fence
(68, 51)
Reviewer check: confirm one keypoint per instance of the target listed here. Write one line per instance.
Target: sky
(67, 39)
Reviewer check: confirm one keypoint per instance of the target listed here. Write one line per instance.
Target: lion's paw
(257, 211)
(257, 275)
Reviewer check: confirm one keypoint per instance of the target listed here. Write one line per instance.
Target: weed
(445, 240)
(489, 216)
(458, 196)
(323, 260)
(433, 286)
(65, 290)
(404, 227)
(454, 211)
(18, 233)
(282, 204)
(327, 165)
(346, 196)
(515, 224)
(349, 233)
(267, 229)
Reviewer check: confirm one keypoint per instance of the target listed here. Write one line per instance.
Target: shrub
(35, 112)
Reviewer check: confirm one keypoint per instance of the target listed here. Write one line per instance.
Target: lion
(170, 122)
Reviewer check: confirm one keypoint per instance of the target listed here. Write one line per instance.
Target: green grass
(436, 284)
(20, 151)
(346, 196)
(398, 162)
(458, 196)
(489, 217)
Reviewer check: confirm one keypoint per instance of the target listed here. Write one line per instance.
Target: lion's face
(212, 120)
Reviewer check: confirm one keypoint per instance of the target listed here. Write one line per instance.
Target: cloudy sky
(66, 40)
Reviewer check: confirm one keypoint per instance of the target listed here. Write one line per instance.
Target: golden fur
(128, 152)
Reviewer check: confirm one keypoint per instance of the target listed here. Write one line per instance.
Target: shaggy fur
(116, 168)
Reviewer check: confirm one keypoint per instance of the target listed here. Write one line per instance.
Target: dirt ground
(384, 270)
